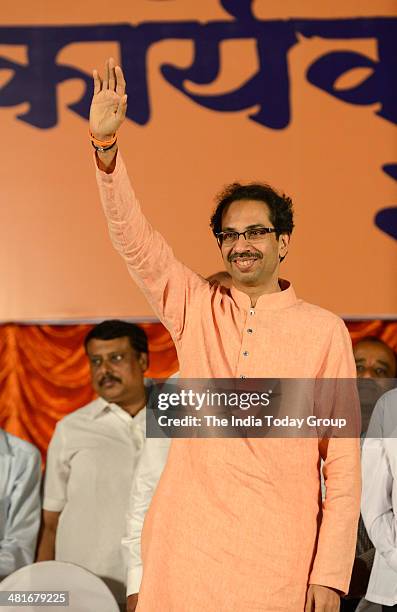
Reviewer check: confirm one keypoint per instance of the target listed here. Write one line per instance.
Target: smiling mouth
(244, 264)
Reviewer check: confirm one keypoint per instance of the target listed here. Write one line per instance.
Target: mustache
(244, 255)
(108, 378)
(369, 391)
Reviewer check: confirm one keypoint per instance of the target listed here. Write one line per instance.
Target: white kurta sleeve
(148, 472)
(376, 505)
(57, 472)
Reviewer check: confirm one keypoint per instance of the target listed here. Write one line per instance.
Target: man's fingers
(97, 82)
(105, 84)
(112, 76)
(122, 109)
(120, 82)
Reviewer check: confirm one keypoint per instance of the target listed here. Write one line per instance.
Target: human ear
(283, 244)
(143, 361)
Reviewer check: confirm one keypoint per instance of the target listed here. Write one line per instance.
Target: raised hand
(109, 102)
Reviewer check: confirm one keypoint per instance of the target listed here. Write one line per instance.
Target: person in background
(374, 359)
(376, 368)
(20, 506)
(379, 500)
(376, 365)
(93, 455)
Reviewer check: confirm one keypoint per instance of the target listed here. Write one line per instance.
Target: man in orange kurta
(236, 524)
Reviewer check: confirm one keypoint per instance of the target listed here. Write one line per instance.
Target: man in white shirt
(376, 367)
(379, 499)
(93, 455)
(20, 476)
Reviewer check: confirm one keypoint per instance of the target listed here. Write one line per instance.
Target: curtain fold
(44, 373)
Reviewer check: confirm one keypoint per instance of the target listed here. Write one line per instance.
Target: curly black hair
(280, 206)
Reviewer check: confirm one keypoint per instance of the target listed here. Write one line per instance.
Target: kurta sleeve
(167, 284)
(337, 536)
(57, 472)
(18, 544)
(377, 506)
(146, 477)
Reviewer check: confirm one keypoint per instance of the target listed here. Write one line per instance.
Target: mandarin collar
(268, 301)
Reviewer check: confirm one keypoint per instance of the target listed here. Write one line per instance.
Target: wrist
(106, 160)
(102, 148)
(105, 142)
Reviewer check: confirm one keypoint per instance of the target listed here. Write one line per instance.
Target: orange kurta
(238, 524)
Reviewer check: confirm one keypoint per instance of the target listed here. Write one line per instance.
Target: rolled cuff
(134, 579)
(53, 505)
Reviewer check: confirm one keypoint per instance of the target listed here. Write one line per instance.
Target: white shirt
(147, 475)
(379, 498)
(91, 462)
(20, 476)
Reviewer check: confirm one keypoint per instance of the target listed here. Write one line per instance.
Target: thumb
(122, 109)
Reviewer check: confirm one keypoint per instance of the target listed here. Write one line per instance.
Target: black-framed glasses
(251, 235)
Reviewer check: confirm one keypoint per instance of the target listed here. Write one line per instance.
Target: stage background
(303, 97)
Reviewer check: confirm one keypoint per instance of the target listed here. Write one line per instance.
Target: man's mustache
(108, 378)
(369, 391)
(245, 255)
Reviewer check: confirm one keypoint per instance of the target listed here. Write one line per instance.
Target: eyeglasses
(252, 235)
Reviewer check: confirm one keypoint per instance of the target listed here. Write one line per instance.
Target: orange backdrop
(44, 373)
(318, 121)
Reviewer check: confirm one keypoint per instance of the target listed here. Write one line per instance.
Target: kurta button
(242, 376)
(245, 353)
(252, 311)
(249, 330)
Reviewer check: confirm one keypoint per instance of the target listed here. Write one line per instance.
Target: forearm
(338, 529)
(149, 259)
(131, 234)
(46, 548)
(106, 160)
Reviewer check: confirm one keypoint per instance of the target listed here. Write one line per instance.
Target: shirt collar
(100, 405)
(268, 301)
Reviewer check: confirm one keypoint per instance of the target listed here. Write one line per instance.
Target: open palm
(109, 102)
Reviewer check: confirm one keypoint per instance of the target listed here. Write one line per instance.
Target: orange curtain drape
(44, 373)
